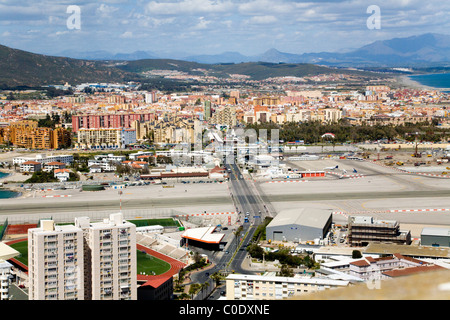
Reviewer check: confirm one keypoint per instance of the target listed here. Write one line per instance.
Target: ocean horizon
(434, 80)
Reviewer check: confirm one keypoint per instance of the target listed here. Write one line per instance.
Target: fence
(3, 229)
(68, 217)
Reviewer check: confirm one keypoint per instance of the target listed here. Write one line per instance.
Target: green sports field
(22, 247)
(168, 222)
(150, 265)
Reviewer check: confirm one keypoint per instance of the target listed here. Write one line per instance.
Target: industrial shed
(435, 237)
(302, 224)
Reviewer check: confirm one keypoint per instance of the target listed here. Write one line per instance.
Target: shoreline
(406, 81)
(10, 173)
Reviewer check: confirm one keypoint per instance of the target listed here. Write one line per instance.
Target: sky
(250, 27)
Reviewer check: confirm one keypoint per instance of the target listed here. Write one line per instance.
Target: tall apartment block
(110, 258)
(87, 261)
(55, 260)
(99, 121)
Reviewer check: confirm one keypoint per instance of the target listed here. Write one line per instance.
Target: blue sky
(213, 26)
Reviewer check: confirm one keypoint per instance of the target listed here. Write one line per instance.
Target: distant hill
(21, 68)
(255, 70)
(428, 49)
(105, 55)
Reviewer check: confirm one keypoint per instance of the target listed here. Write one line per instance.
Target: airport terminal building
(301, 224)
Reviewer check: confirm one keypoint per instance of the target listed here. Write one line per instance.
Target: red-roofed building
(410, 271)
(62, 174)
(159, 288)
(54, 165)
(370, 268)
(30, 166)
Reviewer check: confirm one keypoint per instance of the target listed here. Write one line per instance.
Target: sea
(435, 80)
(5, 193)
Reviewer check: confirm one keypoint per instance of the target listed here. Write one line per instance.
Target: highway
(246, 201)
(249, 205)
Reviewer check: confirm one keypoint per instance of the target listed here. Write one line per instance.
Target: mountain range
(424, 53)
(428, 49)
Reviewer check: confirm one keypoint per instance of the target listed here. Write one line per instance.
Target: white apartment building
(85, 261)
(43, 159)
(105, 138)
(266, 287)
(55, 261)
(110, 253)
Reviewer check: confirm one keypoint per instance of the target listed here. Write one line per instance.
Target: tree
(193, 289)
(356, 254)
(285, 271)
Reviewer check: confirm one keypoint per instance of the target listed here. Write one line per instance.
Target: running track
(154, 281)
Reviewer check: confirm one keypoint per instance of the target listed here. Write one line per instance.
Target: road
(249, 205)
(246, 200)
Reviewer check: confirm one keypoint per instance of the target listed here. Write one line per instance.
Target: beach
(406, 81)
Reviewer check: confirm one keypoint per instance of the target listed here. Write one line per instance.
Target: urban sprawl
(285, 188)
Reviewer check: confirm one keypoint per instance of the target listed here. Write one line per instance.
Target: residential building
(105, 121)
(44, 159)
(224, 116)
(110, 258)
(26, 134)
(55, 262)
(105, 138)
(370, 268)
(268, 287)
(62, 175)
(54, 165)
(85, 261)
(30, 166)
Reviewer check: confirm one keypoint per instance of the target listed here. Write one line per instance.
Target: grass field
(169, 222)
(22, 247)
(149, 264)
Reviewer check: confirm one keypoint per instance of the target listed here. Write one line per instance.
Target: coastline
(406, 81)
(10, 173)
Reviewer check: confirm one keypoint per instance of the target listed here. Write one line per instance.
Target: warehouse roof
(310, 217)
(203, 234)
(443, 232)
(7, 252)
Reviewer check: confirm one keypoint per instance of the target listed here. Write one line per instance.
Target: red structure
(98, 121)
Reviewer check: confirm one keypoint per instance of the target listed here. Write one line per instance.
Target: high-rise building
(110, 258)
(85, 261)
(55, 260)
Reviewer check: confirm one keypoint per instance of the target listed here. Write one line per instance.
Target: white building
(55, 262)
(85, 261)
(266, 287)
(111, 255)
(43, 159)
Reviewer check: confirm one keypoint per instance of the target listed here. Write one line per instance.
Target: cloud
(126, 35)
(202, 24)
(189, 7)
(263, 20)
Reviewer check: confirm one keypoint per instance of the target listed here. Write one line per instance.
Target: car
(225, 228)
(222, 293)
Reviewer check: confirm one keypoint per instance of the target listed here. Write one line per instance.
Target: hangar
(301, 224)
